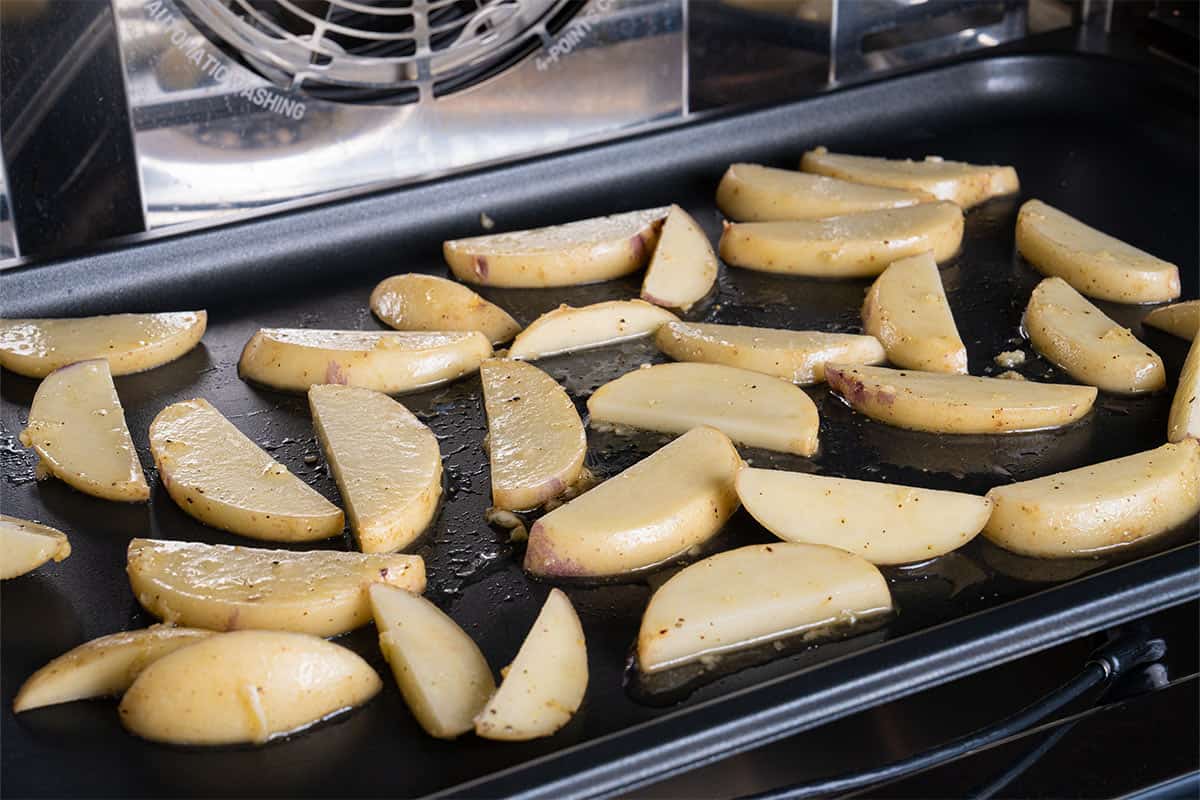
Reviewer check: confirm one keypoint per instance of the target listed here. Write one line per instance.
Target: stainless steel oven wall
(213, 135)
(9, 248)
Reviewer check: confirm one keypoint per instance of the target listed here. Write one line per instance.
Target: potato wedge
(683, 268)
(103, 667)
(1064, 327)
(884, 523)
(907, 311)
(293, 359)
(245, 687)
(753, 595)
(1096, 264)
(219, 587)
(386, 463)
(25, 546)
(545, 684)
(750, 408)
(129, 342)
(444, 678)
(669, 502)
(796, 356)
(416, 302)
(1184, 419)
(849, 246)
(220, 477)
(536, 441)
(566, 329)
(939, 403)
(77, 428)
(1178, 319)
(1105, 506)
(754, 193)
(956, 181)
(587, 251)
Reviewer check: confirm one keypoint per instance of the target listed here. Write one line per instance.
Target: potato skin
(416, 302)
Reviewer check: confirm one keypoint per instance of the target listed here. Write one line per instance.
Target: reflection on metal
(214, 136)
(8, 229)
(871, 36)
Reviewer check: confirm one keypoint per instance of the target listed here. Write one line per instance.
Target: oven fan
(379, 51)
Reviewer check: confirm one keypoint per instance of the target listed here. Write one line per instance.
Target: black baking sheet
(1109, 142)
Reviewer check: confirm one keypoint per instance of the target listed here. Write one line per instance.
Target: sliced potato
(129, 342)
(1064, 327)
(907, 311)
(444, 678)
(940, 403)
(103, 667)
(1178, 319)
(25, 546)
(545, 684)
(219, 587)
(586, 251)
(675, 499)
(566, 329)
(750, 408)
(245, 687)
(1097, 264)
(1184, 419)
(796, 356)
(1108, 505)
(848, 246)
(293, 359)
(386, 463)
(77, 428)
(220, 477)
(536, 441)
(883, 523)
(416, 302)
(956, 181)
(753, 595)
(754, 193)
(683, 268)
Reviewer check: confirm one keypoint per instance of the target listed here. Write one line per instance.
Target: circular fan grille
(379, 51)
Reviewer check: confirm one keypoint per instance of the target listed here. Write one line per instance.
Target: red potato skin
(335, 374)
(540, 558)
(481, 268)
(854, 390)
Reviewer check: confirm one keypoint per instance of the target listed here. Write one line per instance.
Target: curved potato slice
(545, 684)
(25, 546)
(848, 246)
(386, 462)
(754, 193)
(566, 328)
(1184, 420)
(77, 428)
(1096, 264)
(669, 502)
(750, 408)
(293, 359)
(796, 356)
(1101, 507)
(103, 667)
(907, 311)
(883, 523)
(756, 594)
(956, 181)
(220, 477)
(590, 250)
(245, 687)
(416, 302)
(129, 342)
(536, 440)
(444, 678)
(219, 587)
(1090, 346)
(1178, 319)
(939, 403)
(683, 267)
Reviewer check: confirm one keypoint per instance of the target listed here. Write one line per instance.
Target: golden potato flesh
(683, 268)
(416, 302)
(25, 546)
(566, 329)
(907, 311)
(1105, 506)
(1178, 319)
(1184, 419)
(754, 193)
